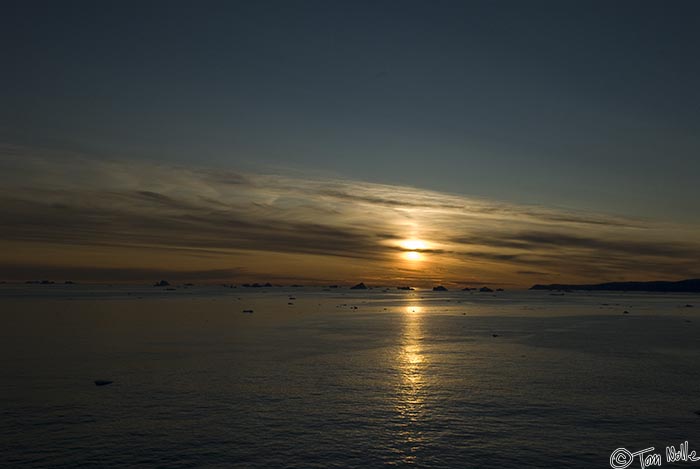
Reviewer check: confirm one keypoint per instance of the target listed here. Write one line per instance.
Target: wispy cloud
(241, 223)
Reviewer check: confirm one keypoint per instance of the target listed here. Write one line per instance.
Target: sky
(417, 142)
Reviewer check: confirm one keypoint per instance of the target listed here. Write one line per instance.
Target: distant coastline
(687, 286)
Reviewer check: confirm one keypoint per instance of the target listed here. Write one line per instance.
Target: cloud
(69, 201)
(141, 219)
(608, 254)
(540, 240)
(99, 274)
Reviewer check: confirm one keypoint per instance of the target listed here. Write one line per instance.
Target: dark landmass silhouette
(688, 286)
(485, 290)
(359, 286)
(439, 288)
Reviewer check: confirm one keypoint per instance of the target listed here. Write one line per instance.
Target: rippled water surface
(343, 378)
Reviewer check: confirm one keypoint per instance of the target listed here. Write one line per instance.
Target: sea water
(343, 378)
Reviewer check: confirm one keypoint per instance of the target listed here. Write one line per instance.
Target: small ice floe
(102, 382)
(247, 311)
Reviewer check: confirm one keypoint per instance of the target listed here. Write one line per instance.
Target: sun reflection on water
(413, 309)
(411, 388)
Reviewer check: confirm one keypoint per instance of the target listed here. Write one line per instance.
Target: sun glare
(413, 249)
(412, 255)
(414, 244)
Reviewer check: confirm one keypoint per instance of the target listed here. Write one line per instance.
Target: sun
(413, 248)
(412, 255)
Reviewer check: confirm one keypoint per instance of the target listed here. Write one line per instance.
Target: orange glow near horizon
(293, 230)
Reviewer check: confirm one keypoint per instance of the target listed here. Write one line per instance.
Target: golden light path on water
(411, 392)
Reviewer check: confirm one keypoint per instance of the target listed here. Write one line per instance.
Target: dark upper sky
(581, 104)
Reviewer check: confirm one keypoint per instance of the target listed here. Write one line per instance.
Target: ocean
(318, 378)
